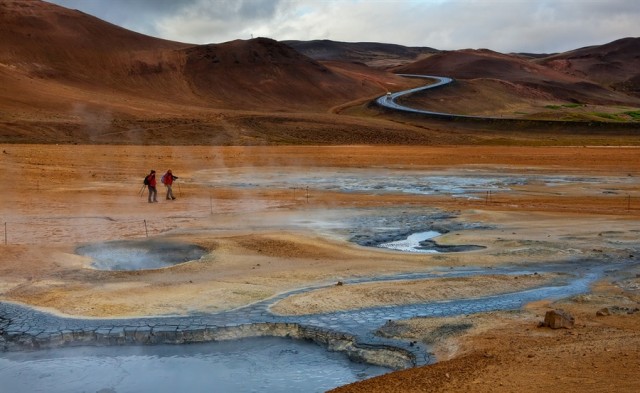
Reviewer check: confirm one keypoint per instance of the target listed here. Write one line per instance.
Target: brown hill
(267, 75)
(68, 76)
(42, 40)
(616, 64)
(54, 44)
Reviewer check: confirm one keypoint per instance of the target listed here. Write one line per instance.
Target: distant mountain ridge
(373, 54)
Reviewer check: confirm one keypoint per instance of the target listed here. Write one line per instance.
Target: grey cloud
(260, 9)
(205, 21)
(228, 9)
(136, 15)
(124, 8)
(502, 25)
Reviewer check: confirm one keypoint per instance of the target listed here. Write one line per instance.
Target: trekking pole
(141, 190)
(179, 190)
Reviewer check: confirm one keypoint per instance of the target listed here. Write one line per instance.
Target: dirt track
(265, 240)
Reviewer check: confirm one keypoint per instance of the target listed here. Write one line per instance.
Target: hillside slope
(44, 44)
(67, 76)
(615, 64)
(373, 54)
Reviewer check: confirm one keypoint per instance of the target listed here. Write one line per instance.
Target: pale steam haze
(537, 26)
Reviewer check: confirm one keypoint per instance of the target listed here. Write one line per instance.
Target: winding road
(389, 100)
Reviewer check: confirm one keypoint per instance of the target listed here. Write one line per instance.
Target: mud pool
(471, 183)
(249, 352)
(246, 365)
(422, 242)
(412, 242)
(139, 254)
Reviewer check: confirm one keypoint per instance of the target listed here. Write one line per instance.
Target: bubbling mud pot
(410, 230)
(422, 242)
(140, 254)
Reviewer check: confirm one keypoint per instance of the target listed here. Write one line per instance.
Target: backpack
(146, 180)
(163, 178)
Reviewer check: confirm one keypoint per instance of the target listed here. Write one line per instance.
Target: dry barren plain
(273, 219)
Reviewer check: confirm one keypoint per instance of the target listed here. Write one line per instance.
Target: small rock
(603, 312)
(558, 319)
(339, 283)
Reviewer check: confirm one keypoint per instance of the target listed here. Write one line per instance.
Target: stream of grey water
(264, 364)
(244, 365)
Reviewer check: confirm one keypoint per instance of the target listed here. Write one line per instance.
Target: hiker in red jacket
(150, 181)
(167, 179)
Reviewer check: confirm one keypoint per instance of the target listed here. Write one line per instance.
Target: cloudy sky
(540, 26)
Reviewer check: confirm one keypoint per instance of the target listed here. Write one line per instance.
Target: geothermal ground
(256, 222)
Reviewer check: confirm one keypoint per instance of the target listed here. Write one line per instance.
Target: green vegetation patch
(621, 116)
(635, 115)
(556, 107)
(609, 116)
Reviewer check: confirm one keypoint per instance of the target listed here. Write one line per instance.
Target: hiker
(167, 179)
(150, 181)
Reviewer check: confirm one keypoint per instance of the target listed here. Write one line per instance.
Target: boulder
(558, 319)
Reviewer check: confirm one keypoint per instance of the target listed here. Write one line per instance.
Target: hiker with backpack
(150, 182)
(167, 179)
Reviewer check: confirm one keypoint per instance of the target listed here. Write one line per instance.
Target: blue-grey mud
(139, 255)
(294, 247)
(352, 332)
(243, 365)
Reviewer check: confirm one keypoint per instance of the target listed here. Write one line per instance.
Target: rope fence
(85, 229)
(78, 229)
